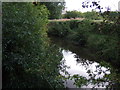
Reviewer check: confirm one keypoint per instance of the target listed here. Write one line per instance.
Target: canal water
(83, 68)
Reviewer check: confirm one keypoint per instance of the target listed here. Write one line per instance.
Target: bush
(60, 29)
(111, 16)
(27, 57)
(92, 15)
(73, 14)
(102, 38)
(55, 9)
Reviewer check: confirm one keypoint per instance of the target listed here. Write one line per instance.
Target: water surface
(83, 63)
(81, 66)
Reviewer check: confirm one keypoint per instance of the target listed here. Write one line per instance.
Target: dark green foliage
(21, 45)
(79, 80)
(55, 9)
(111, 15)
(74, 30)
(73, 14)
(61, 29)
(27, 55)
(101, 37)
(92, 15)
(88, 15)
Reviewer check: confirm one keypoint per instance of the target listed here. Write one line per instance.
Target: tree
(111, 16)
(113, 20)
(23, 26)
(55, 9)
(73, 14)
(27, 58)
(92, 15)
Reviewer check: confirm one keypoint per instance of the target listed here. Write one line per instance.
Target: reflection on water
(84, 68)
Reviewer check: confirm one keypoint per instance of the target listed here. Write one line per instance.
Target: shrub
(27, 57)
(73, 14)
(92, 15)
(102, 38)
(60, 29)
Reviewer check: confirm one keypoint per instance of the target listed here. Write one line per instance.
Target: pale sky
(77, 4)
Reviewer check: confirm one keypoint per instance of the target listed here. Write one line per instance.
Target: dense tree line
(93, 15)
(72, 14)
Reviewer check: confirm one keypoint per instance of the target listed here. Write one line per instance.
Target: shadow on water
(84, 69)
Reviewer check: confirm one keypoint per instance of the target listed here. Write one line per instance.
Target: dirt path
(67, 19)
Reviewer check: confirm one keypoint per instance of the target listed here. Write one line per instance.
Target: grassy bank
(101, 37)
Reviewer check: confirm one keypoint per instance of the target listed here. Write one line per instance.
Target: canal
(82, 69)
